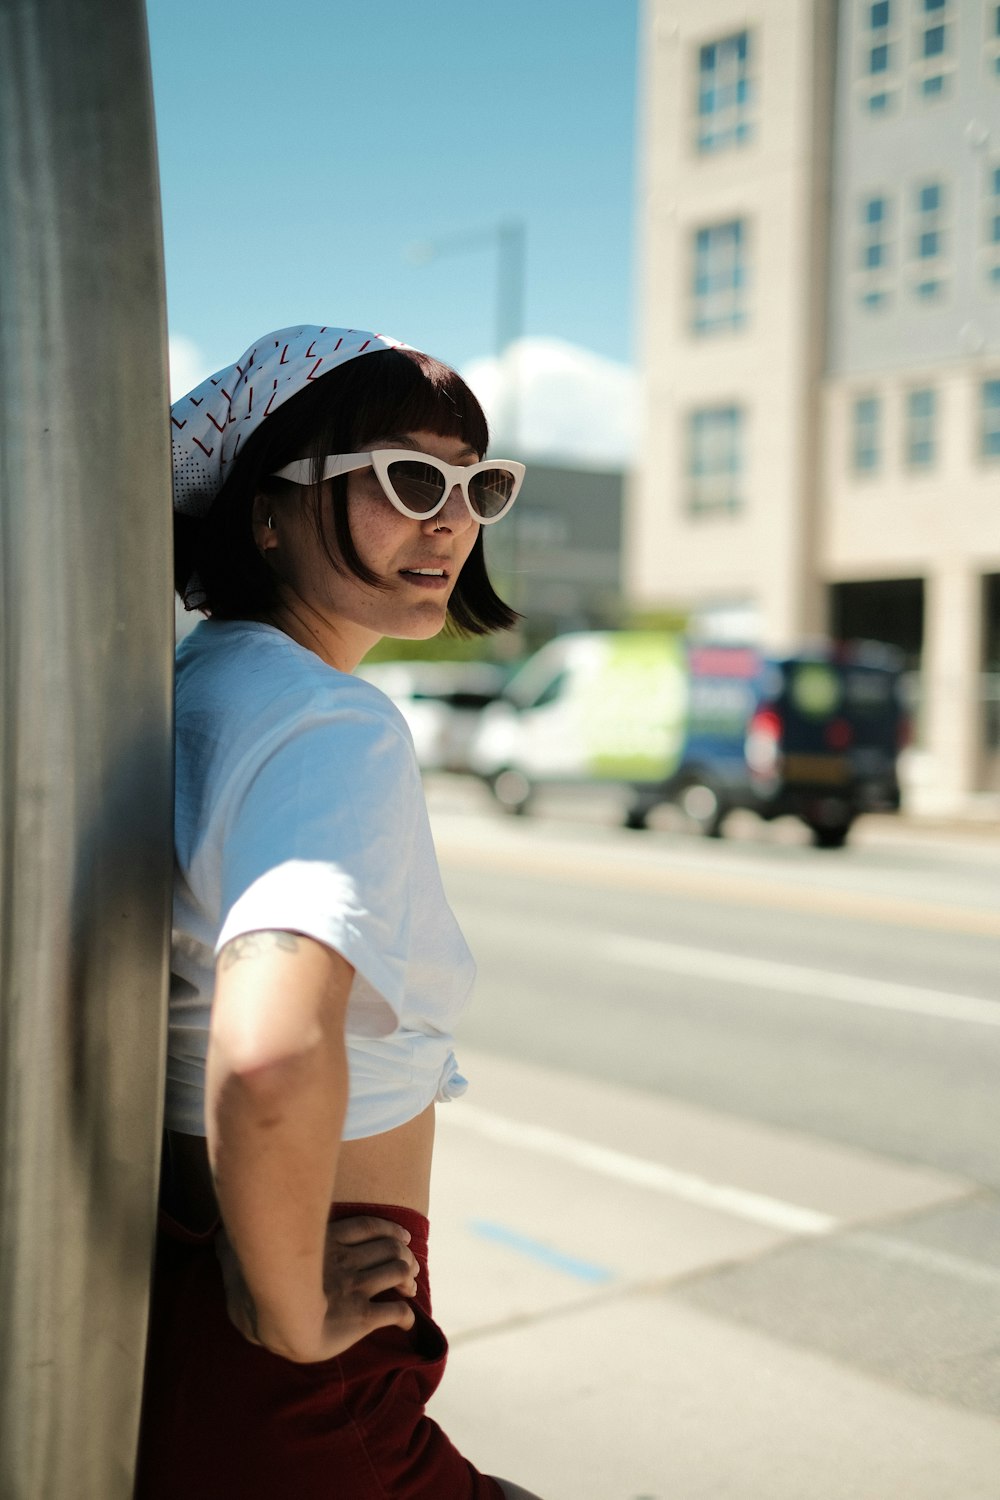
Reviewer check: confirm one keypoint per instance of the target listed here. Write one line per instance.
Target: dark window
(725, 94)
(990, 441)
(715, 464)
(934, 38)
(866, 435)
(921, 421)
(720, 278)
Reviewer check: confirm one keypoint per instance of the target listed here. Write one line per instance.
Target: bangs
(403, 390)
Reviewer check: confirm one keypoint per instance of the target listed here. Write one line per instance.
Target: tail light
(904, 733)
(838, 734)
(763, 742)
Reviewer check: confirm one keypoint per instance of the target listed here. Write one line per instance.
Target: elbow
(269, 1071)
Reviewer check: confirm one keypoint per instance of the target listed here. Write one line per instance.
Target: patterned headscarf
(209, 424)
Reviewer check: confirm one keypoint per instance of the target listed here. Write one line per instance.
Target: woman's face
(351, 614)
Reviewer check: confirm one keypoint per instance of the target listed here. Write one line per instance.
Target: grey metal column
(86, 619)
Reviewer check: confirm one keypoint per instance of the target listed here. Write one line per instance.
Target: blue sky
(306, 144)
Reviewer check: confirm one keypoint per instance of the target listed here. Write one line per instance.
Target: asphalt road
(815, 1034)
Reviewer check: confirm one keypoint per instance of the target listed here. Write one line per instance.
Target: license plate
(817, 770)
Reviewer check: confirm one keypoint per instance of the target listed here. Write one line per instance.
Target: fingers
(365, 1227)
(388, 1277)
(370, 1253)
(346, 1277)
(390, 1314)
(369, 1265)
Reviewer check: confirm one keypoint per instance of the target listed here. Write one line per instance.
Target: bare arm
(276, 1095)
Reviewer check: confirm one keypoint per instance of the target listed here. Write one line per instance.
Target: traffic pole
(85, 757)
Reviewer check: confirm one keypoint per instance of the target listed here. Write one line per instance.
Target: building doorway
(889, 610)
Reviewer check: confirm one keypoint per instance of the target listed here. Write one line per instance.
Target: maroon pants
(226, 1420)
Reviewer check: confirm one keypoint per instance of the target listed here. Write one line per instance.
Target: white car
(441, 701)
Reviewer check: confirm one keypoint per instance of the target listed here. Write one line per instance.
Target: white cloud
(572, 405)
(188, 366)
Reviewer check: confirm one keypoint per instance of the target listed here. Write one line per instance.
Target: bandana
(209, 425)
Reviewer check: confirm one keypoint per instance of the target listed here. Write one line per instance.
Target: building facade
(821, 342)
(558, 557)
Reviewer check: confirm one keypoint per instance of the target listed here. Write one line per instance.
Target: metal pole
(510, 238)
(85, 844)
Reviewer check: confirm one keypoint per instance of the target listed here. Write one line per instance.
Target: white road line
(793, 979)
(789, 1218)
(940, 1262)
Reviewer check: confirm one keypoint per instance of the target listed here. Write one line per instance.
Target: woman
(329, 490)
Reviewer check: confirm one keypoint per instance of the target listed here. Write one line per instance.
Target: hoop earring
(270, 523)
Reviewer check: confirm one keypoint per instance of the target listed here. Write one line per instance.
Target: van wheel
(512, 789)
(829, 838)
(702, 806)
(637, 815)
(830, 821)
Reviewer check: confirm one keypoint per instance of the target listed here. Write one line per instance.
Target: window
(934, 47)
(993, 39)
(928, 247)
(874, 252)
(990, 436)
(720, 278)
(991, 227)
(725, 93)
(921, 425)
(878, 59)
(866, 452)
(715, 460)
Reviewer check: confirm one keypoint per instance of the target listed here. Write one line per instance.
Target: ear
(265, 531)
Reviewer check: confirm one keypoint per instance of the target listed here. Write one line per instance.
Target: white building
(821, 341)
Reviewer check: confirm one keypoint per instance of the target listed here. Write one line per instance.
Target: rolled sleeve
(320, 843)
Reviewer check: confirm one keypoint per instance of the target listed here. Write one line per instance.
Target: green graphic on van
(815, 689)
(631, 706)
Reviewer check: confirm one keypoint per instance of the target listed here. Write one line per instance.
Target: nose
(453, 516)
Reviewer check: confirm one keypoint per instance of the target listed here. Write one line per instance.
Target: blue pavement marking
(583, 1270)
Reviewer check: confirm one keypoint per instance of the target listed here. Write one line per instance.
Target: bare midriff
(394, 1167)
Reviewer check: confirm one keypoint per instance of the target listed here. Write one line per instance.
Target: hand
(362, 1257)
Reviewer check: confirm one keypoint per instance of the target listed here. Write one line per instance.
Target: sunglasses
(418, 484)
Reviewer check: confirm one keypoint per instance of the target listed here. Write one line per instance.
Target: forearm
(276, 1093)
(273, 1147)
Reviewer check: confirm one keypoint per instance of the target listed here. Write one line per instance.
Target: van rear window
(866, 691)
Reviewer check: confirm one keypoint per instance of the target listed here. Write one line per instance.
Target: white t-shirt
(299, 807)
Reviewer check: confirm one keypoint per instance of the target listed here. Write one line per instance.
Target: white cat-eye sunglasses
(418, 484)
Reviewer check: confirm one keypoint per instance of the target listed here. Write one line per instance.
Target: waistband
(416, 1224)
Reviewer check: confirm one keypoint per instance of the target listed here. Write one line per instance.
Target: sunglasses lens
(489, 491)
(418, 485)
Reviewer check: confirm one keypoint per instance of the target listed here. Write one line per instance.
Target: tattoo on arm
(253, 944)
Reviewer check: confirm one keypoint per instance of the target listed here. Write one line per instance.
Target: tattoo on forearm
(253, 944)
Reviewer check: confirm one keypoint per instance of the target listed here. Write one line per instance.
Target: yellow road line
(749, 890)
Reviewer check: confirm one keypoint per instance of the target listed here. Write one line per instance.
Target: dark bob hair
(368, 398)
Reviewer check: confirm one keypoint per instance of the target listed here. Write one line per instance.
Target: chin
(420, 630)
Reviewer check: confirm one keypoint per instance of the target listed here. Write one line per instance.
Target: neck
(340, 643)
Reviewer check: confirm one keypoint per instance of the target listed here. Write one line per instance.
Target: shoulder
(248, 672)
(247, 695)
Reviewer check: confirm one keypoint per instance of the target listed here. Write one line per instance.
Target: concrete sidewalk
(573, 1226)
